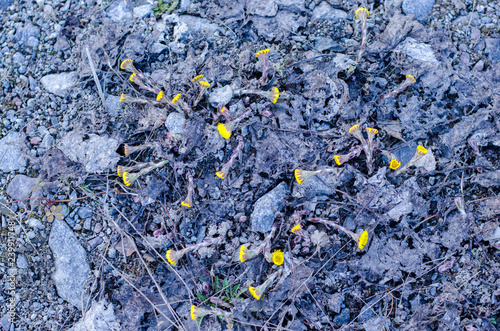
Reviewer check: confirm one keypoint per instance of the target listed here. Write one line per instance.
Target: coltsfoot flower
(278, 257)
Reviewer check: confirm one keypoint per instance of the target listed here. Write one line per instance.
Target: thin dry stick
(96, 79)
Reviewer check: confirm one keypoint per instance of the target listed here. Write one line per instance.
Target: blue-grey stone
(5, 3)
(11, 157)
(20, 187)
(267, 206)
(326, 12)
(60, 84)
(18, 58)
(220, 96)
(21, 261)
(120, 11)
(114, 106)
(342, 318)
(24, 34)
(492, 48)
(175, 123)
(419, 8)
(85, 212)
(72, 268)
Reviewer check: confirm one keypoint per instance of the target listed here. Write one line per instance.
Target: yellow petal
(363, 239)
(255, 292)
(278, 257)
(394, 164)
(224, 130)
(298, 176)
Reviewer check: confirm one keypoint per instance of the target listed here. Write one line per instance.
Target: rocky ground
(80, 250)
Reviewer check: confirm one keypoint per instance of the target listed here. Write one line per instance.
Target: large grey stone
(120, 11)
(220, 96)
(267, 206)
(72, 268)
(492, 48)
(3, 5)
(262, 7)
(26, 32)
(11, 157)
(326, 12)
(60, 84)
(175, 123)
(97, 153)
(100, 317)
(20, 187)
(419, 8)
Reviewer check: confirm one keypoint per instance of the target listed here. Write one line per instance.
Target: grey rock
(3, 5)
(120, 11)
(143, 10)
(20, 187)
(93, 243)
(18, 58)
(267, 8)
(327, 44)
(61, 44)
(21, 261)
(26, 32)
(60, 84)
(335, 302)
(72, 268)
(35, 223)
(326, 12)
(11, 157)
(36, 306)
(366, 313)
(32, 42)
(100, 316)
(322, 184)
(295, 6)
(175, 123)
(48, 141)
(87, 224)
(267, 206)
(417, 50)
(492, 48)
(113, 105)
(220, 96)
(188, 25)
(342, 318)
(85, 212)
(419, 8)
(97, 153)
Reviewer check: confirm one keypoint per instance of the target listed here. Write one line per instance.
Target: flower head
(371, 131)
(127, 64)
(338, 159)
(159, 97)
(275, 94)
(186, 204)
(354, 129)
(119, 171)
(361, 13)
(299, 176)
(221, 174)
(394, 164)
(123, 97)
(278, 257)
(421, 150)
(197, 312)
(172, 257)
(176, 98)
(133, 76)
(363, 239)
(411, 79)
(255, 292)
(128, 178)
(225, 130)
(296, 228)
(197, 78)
(261, 52)
(204, 84)
(243, 253)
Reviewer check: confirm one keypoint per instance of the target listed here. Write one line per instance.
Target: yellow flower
(204, 84)
(278, 257)
(371, 130)
(220, 174)
(299, 176)
(186, 204)
(122, 97)
(354, 128)
(224, 130)
(411, 78)
(172, 259)
(256, 293)
(197, 78)
(363, 239)
(338, 159)
(127, 178)
(296, 228)
(193, 312)
(421, 150)
(119, 171)
(126, 64)
(132, 77)
(243, 253)
(276, 94)
(176, 98)
(361, 11)
(394, 164)
(159, 97)
(263, 51)
(126, 150)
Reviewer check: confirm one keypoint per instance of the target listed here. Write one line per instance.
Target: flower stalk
(174, 256)
(361, 239)
(362, 16)
(204, 87)
(124, 98)
(400, 88)
(188, 202)
(366, 144)
(421, 151)
(120, 170)
(266, 66)
(236, 152)
(265, 246)
(129, 178)
(302, 175)
(273, 94)
(343, 158)
(127, 149)
(138, 77)
(258, 292)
